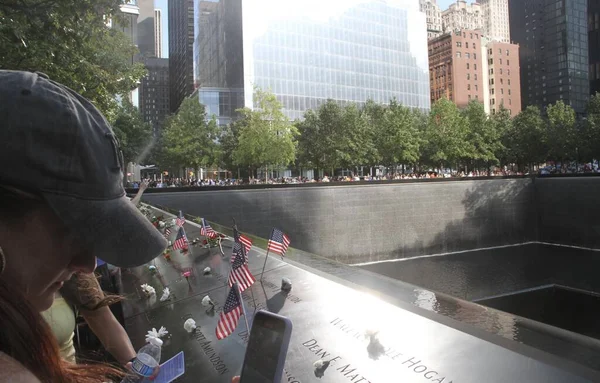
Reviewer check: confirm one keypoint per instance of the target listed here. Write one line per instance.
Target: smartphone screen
(264, 347)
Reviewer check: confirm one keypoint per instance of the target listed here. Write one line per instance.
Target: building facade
(496, 21)
(181, 46)
(466, 66)
(158, 50)
(456, 69)
(433, 15)
(308, 52)
(154, 93)
(146, 31)
(503, 77)
(554, 57)
(594, 44)
(462, 16)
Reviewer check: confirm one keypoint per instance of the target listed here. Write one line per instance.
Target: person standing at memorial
(62, 204)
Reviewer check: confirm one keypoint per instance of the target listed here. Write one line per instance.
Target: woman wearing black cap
(62, 204)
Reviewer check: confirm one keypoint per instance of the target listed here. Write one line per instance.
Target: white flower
(165, 295)
(319, 364)
(149, 290)
(206, 301)
(189, 325)
(162, 331)
(161, 224)
(286, 284)
(207, 270)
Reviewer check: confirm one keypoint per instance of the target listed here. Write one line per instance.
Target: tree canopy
(69, 40)
(134, 135)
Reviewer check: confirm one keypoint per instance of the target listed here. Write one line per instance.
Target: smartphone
(267, 348)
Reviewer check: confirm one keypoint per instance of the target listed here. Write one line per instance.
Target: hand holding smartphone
(267, 348)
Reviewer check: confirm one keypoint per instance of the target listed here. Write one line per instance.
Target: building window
(476, 87)
(475, 76)
(509, 101)
(506, 52)
(507, 62)
(490, 52)
(474, 46)
(468, 55)
(467, 45)
(492, 71)
(500, 62)
(501, 81)
(467, 65)
(468, 76)
(502, 90)
(458, 44)
(500, 50)
(475, 56)
(508, 72)
(475, 65)
(509, 92)
(492, 91)
(468, 86)
(508, 79)
(469, 97)
(491, 62)
(458, 54)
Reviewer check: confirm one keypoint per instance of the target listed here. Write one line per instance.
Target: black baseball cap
(55, 142)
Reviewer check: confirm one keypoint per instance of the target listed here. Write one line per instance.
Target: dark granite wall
(365, 223)
(568, 210)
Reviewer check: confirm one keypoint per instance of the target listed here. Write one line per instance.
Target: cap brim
(115, 230)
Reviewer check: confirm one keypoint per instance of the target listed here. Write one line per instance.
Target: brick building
(456, 67)
(465, 66)
(504, 78)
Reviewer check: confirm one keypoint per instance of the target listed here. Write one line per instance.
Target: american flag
(240, 273)
(239, 251)
(180, 219)
(279, 242)
(181, 241)
(167, 233)
(230, 316)
(241, 238)
(206, 230)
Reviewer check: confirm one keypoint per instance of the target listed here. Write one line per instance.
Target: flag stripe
(228, 320)
(278, 243)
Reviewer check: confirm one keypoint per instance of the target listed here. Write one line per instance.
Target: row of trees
(345, 136)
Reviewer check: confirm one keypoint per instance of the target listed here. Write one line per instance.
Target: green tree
(70, 42)
(561, 133)
(589, 138)
(397, 138)
(266, 136)
(503, 125)
(525, 141)
(445, 135)
(321, 132)
(189, 139)
(134, 135)
(357, 147)
(483, 139)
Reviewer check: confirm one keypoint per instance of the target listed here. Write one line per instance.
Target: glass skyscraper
(306, 52)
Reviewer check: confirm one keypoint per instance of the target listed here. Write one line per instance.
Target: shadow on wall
(366, 223)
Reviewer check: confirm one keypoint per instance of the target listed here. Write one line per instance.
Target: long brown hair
(25, 335)
(27, 338)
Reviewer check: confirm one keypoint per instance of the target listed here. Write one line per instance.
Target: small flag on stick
(181, 241)
(241, 238)
(240, 272)
(279, 242)
(180, 221)
(206, 230)
(228, 319)
(167, 233)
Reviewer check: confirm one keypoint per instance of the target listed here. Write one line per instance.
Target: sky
(162, 5)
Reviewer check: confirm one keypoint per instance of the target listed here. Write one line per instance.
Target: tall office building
(128, 24)
(553, 39)
(496, 24)
(433, 16)
(154, 92)
(146, 34)
(306, 52)
(158, 33)
(594, 44)
(462, 16)
(181, 51)
(466, 66)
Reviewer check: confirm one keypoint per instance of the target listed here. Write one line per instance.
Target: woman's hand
(129, 367)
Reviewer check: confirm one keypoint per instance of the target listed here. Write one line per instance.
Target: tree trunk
(266, 174)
